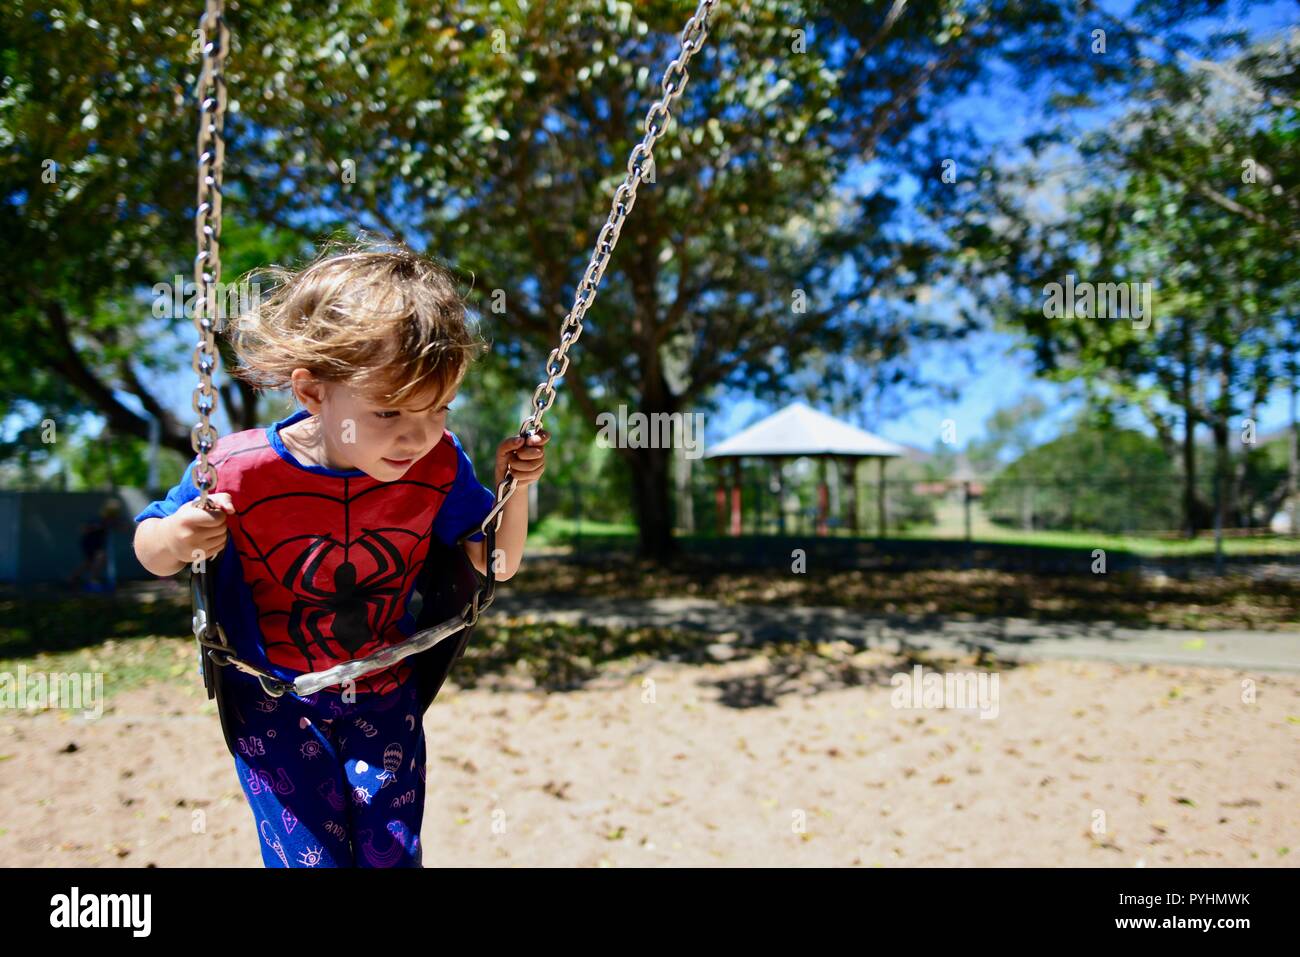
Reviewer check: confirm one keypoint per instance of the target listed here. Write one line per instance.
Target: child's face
(383, 441)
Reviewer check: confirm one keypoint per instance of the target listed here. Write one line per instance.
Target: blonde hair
(375, 316)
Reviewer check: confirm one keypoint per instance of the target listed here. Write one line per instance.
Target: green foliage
(1195, 191)
(1008, 433)
(1089, 478)
(1263, 480)
(493, 134)
(579, 473)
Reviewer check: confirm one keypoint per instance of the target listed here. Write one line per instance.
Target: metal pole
(1218, 515)
(577, 515)
(1293, 465)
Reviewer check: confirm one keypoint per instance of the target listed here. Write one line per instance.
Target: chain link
(215, 40)
(656, 122)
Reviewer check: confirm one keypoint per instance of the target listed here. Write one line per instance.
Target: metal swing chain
(215, 40)
(657, 118)
(675, 78)
(207, 272)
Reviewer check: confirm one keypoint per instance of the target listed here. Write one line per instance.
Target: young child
(325, 520)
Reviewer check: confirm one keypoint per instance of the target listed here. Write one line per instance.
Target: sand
(792, 761)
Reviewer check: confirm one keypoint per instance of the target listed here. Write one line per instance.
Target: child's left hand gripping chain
(525, 461)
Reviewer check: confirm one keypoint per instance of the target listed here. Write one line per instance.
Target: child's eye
(392, 412)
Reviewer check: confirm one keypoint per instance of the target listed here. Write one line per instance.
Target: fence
(41, 531)
(943, 509)
(41, 534)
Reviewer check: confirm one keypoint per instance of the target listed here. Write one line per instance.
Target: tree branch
(121, 419)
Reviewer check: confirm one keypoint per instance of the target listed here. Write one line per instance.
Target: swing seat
(446, 584)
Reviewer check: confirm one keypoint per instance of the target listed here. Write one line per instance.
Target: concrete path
(1008, 638)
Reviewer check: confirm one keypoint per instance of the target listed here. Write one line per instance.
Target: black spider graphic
(349, 601)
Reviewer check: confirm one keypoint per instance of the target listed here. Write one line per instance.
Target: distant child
(329, 513)
(94, 555)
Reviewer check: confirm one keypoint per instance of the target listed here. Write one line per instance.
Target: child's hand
(525, 463)
(194, 529)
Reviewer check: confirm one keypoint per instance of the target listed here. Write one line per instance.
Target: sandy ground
(756, 762)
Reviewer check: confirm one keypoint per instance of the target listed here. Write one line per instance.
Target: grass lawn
(1137, 545)
(557, 530)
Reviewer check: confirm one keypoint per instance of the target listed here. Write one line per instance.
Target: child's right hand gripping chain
(198, 533)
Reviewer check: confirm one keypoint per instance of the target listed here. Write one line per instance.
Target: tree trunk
(1190, 511)
(1228, 504)
(685, 504)
(650, 476)
(1241, 508)
(1291, 465)
(1221, 461)
(1220, 492)
(1190, 524)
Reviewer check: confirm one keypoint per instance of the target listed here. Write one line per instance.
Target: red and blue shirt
(320, 564)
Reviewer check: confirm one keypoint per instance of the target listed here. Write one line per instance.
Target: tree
(1009, 433)
(462, 129)
(1096, 479)
(1191, 193)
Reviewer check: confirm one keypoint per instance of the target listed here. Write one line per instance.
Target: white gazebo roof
(799, 430)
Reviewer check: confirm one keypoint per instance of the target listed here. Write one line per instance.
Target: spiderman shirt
(320, 563)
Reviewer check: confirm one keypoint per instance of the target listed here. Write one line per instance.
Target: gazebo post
(849, 472)
(735, 496)
(823, 495)
(880, 485)
(780, 495)
(720, 500)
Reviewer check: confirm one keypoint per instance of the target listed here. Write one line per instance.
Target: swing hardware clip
(212, 640)
(222, 656)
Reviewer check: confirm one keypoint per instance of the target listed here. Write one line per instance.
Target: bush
(1090, 479)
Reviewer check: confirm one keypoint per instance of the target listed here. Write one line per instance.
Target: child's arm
(527, 465)
(166, 545)
(154, 547)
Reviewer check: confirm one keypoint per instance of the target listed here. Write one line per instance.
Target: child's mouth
(399, 462)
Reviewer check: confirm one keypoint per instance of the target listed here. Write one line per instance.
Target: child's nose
(422, 436)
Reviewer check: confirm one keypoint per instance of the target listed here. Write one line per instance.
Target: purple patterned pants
(331, 784)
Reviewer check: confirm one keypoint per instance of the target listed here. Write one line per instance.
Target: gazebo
(798, 431)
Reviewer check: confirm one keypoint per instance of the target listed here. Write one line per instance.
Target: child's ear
(308, 390)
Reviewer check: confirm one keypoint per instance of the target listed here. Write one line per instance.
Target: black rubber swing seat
(447, 583)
